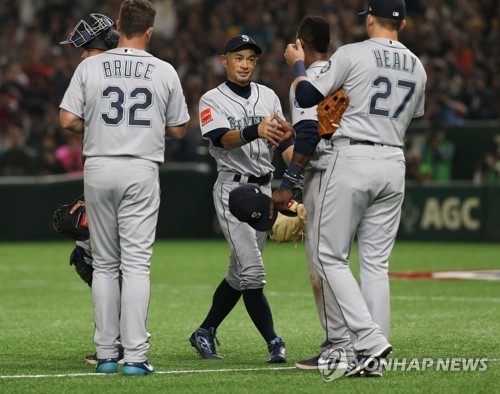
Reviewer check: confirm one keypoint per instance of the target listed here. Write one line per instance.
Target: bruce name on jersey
(127, 69)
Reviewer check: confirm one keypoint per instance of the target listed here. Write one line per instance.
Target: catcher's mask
(95, 31)
(248, 204)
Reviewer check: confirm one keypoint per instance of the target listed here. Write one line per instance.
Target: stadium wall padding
(186, 208)
(448, 212)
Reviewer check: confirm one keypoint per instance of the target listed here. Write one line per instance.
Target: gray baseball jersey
(328, 311)
(385, 82)
(363, 186)
(148, 96)
(319, 161)
(126, 97)
(222, 108)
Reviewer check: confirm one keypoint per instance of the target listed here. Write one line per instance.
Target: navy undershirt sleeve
(307, 95)
(215, 136)
(307, 137)
(284, 145)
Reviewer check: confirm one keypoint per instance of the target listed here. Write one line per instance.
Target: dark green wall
(186, 208)
(470, 142)
(454, 211)
(451, 212)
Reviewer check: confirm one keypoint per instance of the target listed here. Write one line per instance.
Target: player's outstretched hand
(270, 130)
(286, 128)
(280, 200)
(294, 52)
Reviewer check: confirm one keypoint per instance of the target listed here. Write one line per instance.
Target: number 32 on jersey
(127, 107)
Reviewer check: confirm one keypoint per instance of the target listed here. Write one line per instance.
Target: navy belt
(356, 142)
(263, 180)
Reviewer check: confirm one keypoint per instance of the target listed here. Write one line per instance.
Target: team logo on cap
(206, 116)
(396, 14)
(256, 215)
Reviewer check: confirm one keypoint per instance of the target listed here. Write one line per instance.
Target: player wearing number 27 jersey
(363, 187)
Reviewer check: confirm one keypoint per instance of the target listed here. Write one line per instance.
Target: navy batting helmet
(95, 31)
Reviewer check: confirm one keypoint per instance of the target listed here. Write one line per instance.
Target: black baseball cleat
(310, 363)
(364, 363)
(277, 351)
(204, 343)
(107, 365)
(373, 370)
(138, 369)
(92, 358)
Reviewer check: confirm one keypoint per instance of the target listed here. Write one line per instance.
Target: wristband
(291, 175)
(250, 133)
(299, 69)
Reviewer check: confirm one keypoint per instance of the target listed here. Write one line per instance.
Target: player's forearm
(231, 140)
(301, 159)
(70, 122)
(294, 171)
(176, 132)
(307, 137)
(306, 140)
(287, 155)
(268, 129)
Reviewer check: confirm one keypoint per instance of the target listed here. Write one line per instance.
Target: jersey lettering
(142, 99)
(128, 69)
(240, 124)
(394, 60)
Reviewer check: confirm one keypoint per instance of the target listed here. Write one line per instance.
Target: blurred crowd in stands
(457, 41)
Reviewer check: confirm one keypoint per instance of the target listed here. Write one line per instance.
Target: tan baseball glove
(289, 226)
(330, 111)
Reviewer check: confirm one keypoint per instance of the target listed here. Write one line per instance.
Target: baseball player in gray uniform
(244, 123)
(314, 35)
(364, 184)
(125, 100)
(95, 34)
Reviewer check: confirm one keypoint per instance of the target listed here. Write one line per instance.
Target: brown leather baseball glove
(330, 111)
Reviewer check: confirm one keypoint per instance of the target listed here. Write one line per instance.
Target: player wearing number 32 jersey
(124, 101)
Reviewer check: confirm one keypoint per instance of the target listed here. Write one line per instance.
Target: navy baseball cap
(391, 9)
(248, 204)
(239, 42)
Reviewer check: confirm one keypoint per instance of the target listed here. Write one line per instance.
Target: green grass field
(46, 323)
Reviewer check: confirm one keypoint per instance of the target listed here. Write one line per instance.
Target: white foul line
(72, 375)
(299, 294)
(187, 371)
(445, 299)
